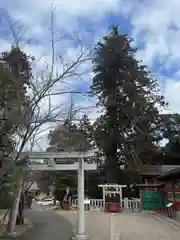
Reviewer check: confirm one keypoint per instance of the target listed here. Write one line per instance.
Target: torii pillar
(81, 235)
(81, 217)
(80, 166)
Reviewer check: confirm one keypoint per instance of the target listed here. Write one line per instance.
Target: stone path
(140, 227)
(47, 225)
(56, 225)
(97, 224)
(125, 226)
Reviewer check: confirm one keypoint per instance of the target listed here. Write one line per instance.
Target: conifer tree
(129, 95)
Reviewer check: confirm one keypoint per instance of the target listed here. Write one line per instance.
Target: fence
(133, 204)
(94, 203)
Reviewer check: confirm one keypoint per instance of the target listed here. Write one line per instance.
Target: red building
(150, 173)
(171, 181)
(160, 186)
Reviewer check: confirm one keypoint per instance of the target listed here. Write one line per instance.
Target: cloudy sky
(153, 24)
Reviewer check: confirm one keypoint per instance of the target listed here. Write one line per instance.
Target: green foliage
(10, 179)
(69, 137)
(73, 137)
(5, 198)
(171, 132)
(65, 180)
(15, 70)
(92, 180)
(128, 92)
(8, 185)
(171, 126)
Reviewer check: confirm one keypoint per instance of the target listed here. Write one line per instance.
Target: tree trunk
(111, 171)
(14, 210)
(112, 145)
(20, 215)
(111, 162)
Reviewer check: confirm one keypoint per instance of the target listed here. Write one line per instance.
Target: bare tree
(40, 92)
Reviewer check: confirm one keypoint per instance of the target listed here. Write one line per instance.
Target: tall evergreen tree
(16, 75)
(171, 132)
(87, 129)
(16, 72)
(130, 97)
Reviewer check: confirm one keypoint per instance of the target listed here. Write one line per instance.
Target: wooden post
(14, 209)
(141, 198)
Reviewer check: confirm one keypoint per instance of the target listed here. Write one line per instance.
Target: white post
(81, 218)
(126, 206)
(104, 197)
(120, 190)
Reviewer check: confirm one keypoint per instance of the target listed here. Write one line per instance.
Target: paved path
(141, 226)
(97, 224)
(47, 225)
(125, 226)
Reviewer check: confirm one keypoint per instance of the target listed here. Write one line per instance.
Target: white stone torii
(36, 164)
(61, 155)
(107, 190)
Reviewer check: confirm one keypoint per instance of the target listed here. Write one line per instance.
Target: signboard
(86, 201)
(169, 205)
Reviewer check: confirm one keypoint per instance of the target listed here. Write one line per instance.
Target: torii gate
(36, 163)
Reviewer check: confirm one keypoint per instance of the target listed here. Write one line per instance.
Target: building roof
(173, 173)
(156, 170)
(150, 185)
(32, 186)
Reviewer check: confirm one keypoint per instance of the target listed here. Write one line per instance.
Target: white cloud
(172, 94)
(155, 29)
(156, 25)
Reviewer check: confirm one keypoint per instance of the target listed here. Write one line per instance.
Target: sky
(154, 26)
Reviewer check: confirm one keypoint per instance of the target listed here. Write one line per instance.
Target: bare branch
(43, 87)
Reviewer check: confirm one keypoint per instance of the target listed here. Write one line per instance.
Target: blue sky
(154, 26)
